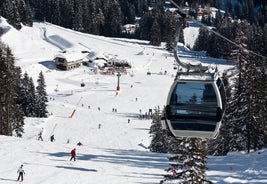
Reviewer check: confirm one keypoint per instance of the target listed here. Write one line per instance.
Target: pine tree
(128, 12)
(56, 12)
(188, 165)
(100, 21)
(243, 105)
(113, 19)
(145, 26)
(86, 16)
(203, 37)
(9, 83)
(263, 100)
(23, 92)
(159, 142)
(171, 29)
(10, 10)
(31, 99)
(257, 102)
(94, 26)
(25, 12)
(155, 38)
(41, 97)
(78, 16)
(27, 96)
(18, 116)
(18, 123)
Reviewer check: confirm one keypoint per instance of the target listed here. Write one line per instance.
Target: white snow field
(113, 151)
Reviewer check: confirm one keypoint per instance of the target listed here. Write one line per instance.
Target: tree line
(218, 47)
(106, 17)
(18, 95)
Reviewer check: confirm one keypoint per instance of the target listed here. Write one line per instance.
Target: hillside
(114, 152)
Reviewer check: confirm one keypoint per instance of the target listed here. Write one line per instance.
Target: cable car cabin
(195, 105)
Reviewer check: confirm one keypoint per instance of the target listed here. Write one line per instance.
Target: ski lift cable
(184, 15)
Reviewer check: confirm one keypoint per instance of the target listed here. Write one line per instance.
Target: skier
(73, 154)
(21, 173)
(40, 136)
(174, 172)
(52, 138)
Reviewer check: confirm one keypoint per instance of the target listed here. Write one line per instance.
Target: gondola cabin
(195, 105)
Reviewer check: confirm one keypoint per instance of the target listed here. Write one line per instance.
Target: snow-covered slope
(114, 150)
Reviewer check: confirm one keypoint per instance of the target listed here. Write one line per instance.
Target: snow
(191, 34)
(113, 150)
(70, 56)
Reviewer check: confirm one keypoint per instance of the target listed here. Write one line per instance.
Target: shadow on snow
(7, 180)
(76, 168)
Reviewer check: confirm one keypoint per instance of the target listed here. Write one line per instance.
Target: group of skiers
(21, 171)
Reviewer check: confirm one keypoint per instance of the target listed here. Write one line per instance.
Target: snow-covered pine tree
(242, 126)
(263, 87)
(171, 29)
(16, 12)
(31, 99)
(188, 165)
(201, 41)
(25, 12)
(8, 92)
(159, 141)
(257, 105)
(23, 93)
(10, 10)
(78, 16)
(113, 19)
(155, 32)
(18, 123)
(27, 96)
(145, 26)
(238, 102)
(41, 97)
(18, 116)
(234, 130)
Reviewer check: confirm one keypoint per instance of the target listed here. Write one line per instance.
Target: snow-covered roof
(100, 62)
(96, 55)
(70, 56)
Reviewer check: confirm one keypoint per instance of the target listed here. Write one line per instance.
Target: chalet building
(129, 28)
(68, 60)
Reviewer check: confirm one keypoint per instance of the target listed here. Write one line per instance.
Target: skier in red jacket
(73, 154)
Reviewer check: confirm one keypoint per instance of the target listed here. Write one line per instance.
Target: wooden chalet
(68, 60)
